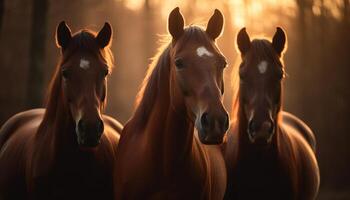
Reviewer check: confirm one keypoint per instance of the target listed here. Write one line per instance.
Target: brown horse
(160, 156)
(269, 153)
(66, 151)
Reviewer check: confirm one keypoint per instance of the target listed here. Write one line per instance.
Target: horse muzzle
(212, 128)
(89, 134)
(261, 133)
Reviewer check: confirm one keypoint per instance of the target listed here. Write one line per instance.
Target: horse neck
(57, 127)
(172, 134)
(178, 138)
(167, 127)
(54, 132)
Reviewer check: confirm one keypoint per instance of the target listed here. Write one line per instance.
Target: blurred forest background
(317, 88)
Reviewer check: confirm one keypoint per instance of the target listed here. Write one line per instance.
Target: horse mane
(151, 85)
(83, 40)
(159, 71)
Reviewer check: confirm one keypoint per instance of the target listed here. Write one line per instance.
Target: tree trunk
(304, 10)
(37, 53)
(2, 10)
(346, 13)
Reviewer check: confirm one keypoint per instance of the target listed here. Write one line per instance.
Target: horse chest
(77, 177)
(261, 177)
(153, 181)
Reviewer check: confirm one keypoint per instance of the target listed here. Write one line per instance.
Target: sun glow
(133, 4)
(332, 5)
(242, 12)
(258, 16)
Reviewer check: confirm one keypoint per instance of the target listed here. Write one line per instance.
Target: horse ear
(215, 24)
(279, 40)
(104, 37)
(243, 41)
(176, 23)
(63, 35)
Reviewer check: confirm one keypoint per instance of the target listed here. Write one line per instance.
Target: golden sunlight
(133, 4)
(242, 12)
(169, 82)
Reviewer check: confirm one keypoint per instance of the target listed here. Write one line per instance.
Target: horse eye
(179, 63)
(65, 74)
(282, 74)
(222, 63)
(241, 65)
(241, 74)
(106, 72)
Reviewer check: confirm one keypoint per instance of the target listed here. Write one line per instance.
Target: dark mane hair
(159, 71)
(83, 40)
(195, 33)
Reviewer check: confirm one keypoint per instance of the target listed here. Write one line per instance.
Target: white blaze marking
(77, 119)
(262, 66)
(85, 64)
(201, 51)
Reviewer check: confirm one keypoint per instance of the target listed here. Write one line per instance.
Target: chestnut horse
(269, 154)
(66, 151)
(160, 156)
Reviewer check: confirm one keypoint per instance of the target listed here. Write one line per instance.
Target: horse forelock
(152, 83)
(196, 34)
(261, 49)
(84, 41)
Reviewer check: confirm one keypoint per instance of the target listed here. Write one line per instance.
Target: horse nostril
(226, 122)
(205, 120)
(81, 126)
(100, 126)
(272, 127)
(251, 127)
